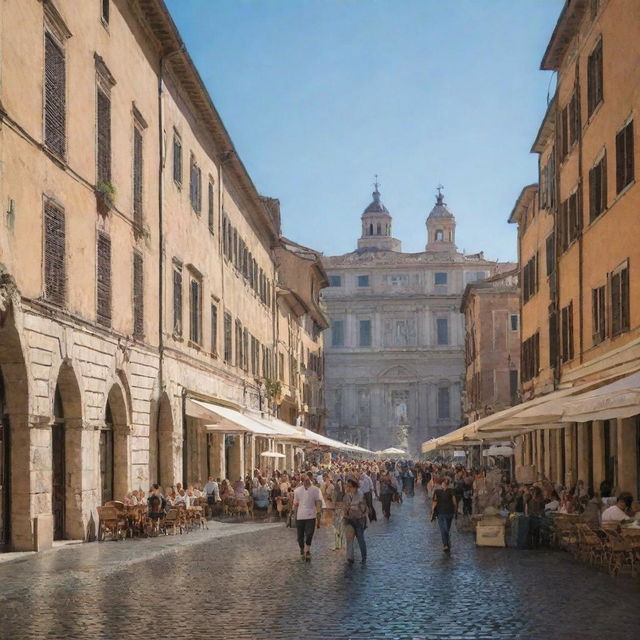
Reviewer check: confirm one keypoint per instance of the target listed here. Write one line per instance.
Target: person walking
(355, 519)
(444, 506)
(386, 493)
(307, 502)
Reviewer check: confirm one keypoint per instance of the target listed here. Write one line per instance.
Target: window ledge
(194, 345)
(594, 113)
(624, 191)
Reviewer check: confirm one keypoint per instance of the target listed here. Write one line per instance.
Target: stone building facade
(394, 353)
(138, 269)
(491, 310)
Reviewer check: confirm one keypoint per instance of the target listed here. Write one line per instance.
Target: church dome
(376, 207)
(440, 210)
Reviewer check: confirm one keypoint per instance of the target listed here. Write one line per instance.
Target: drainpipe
(580, 238)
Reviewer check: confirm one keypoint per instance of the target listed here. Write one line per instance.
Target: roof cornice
(565, 30)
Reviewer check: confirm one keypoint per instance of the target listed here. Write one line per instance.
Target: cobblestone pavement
(253, 585)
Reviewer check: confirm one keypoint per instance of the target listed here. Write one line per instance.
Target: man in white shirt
(212, 489)
(617, 512)
(307, 502)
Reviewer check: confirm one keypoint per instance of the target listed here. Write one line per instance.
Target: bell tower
(376, 225)
(441, 227)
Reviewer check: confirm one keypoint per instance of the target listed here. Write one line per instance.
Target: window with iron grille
(54, 259)
(195, 186)
(228, 338)
(105, 10)
(177, 159)
(212, 228)
(444, 404)
(177, 299)
(566, 335)
(195, 310)
(103, 280)
(104, 137)
(54, 96)
(137, 177)
(619, 284)
(624, 157)
(214, 330)
(598, 315)
(138, 295)
(594, 79)
(598, 188)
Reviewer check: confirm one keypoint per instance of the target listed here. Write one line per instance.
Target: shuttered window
(594, 79)
(137, 177)
(105, 11)
(177, 160)
(566, 319)
(177, 300)
(195, 186)
(624, 157)
(54, 254)
(551, 253)
(228, 338)
(138, 295)
(195, 311)
(104, 137)
(598, 188)
(54, 96)
(214, 330)
(103, 280)
(619, 284)
(598, 315)
(210, 210)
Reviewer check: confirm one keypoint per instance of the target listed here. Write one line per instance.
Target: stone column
(539, 439)
(288, 460)
(627, 434)
(236, 459)
(548, 455)
(216, 456)
(597, 431)
(570, 472)
(583, 453)
(250, 454)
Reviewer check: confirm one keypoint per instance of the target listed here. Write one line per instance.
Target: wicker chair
(112, 521)
(590, 545)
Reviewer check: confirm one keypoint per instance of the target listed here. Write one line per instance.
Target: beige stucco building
(394, 353)
(138, 271)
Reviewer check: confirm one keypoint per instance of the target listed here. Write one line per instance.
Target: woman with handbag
(355, 519)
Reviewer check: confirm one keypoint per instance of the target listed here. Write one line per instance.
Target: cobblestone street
(247, 581)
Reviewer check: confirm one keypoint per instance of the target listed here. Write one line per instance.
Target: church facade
(394, 362)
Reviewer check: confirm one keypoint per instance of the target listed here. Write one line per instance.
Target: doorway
(105, 452)
(58, 468)
(5, 477)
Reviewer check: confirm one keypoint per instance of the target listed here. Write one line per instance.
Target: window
(514, 321)
(598, 315)
(212, 228)
(624, 157)
(195, 310)
(566, 336)
(531, 357)
(239, 354)
(619, 281)
(54, 96)
(335, 281)
(570, 219)
(214, 330)
(363, 281)
(570, 124)
(365, 333)
(598, 188)
(439, 235)
(594, 79)
(281, 366)
(177, 159)
(337, 333)
(444, 405)
(228, 338)
(551, 253)
(474, 276)
(553, 336)
(177, 299)
(440, 278)
(245, 349)
(442, 330)
(530, 278)
(55, 279)
(104, 137)
(138, 294)
(104, 6)
(103, 280)
(195, 186)
(137, 176)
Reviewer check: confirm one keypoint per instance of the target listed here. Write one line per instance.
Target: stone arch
(66, 455)
(15, 463)
(162, 468)
(113, 447)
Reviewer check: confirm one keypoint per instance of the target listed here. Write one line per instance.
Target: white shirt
(366, 484)
(306, 499)
(614, 514)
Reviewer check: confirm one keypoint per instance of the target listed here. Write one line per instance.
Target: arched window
(439, 235)
(379, 229)
(371, 229)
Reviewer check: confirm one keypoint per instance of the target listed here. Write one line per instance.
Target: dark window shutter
(604, 200)
(138, 295)
(564, 120)
(105, 10)
(137, 177)
(177, 302)
(624, 300)
(214, 330)
(628, 148)
(54, 97)
(103, 280)
(104, 137)
(211, 220)
(177, 160)
(620, 161)
(54, 255)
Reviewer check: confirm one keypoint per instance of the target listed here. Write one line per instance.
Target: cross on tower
(440, 187)
(376, 184)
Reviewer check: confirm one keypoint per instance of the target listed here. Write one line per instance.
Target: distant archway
(114, 448)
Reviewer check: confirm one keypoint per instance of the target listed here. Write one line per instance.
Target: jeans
(385, 499)
(305, 529)
(444, 523)
(359, 531)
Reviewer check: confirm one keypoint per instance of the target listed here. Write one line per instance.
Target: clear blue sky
(319, 95)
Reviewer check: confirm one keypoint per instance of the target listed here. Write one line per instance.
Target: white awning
(272, 454)
(619, 399)
(225, 420)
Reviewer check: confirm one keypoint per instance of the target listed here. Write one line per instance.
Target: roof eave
(563, 33)
(523, 201)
